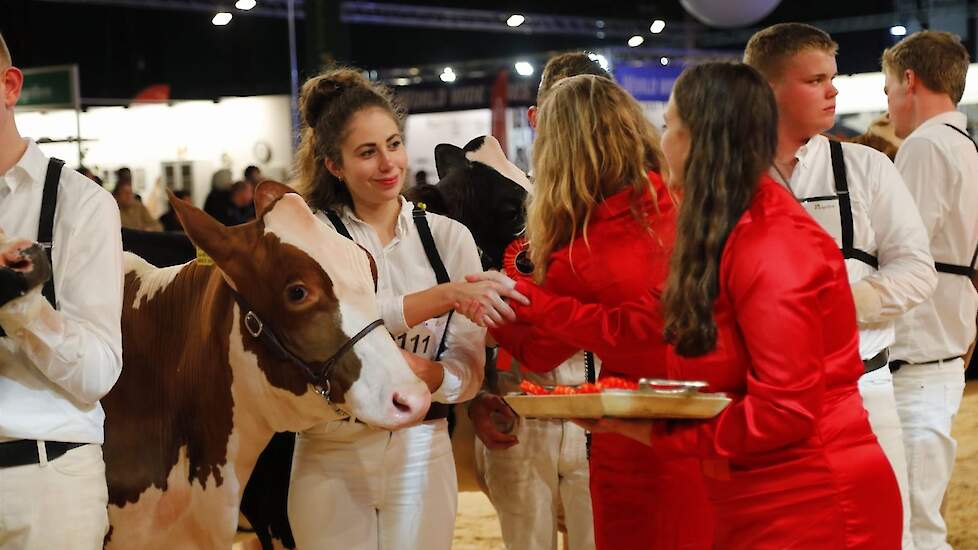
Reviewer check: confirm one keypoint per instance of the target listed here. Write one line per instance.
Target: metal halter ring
(253, 324)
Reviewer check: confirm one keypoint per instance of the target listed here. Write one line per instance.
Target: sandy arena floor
(476, 527)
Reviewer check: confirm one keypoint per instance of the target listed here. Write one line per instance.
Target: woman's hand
(430, 372)
(640, 430)
(483, 298)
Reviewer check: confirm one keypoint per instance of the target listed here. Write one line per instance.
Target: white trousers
(359, 488)
(55, 504)
(879, 400)
(529, 482)
(928, 397)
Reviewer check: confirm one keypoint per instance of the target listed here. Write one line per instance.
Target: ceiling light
(657, 26)
(898, 30)
(448, 75)
(245, 5)
(402, 81)
(515, 20)
(635, 41)
(524, 68)
(221, 19)
(664, 61)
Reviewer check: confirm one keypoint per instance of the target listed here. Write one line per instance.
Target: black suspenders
(963, 270)
(430, 250)
(45, 224)
(845, 208)
(45, 228)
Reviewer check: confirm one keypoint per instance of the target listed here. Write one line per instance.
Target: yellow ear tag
(203, 258)
(422, 206)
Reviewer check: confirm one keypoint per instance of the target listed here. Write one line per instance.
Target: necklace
(784, 180)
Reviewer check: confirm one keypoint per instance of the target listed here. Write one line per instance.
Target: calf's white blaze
(384, 372)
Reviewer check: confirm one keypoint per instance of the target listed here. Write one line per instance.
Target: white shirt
(940, 167)
(885, 224)
(56, 365)
(403, 268)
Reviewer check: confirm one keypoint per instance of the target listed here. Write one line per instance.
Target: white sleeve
(79, 345)
(926, 175)
(906, 275)
(465, 355)
(392, 313)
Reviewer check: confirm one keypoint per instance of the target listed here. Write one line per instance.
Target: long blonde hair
(593, 141)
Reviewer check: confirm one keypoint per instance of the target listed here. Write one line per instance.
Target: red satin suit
(641, 499)
(792, 462)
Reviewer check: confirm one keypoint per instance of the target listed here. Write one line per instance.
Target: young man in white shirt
(925, 76)
(858, 197)
(56, 362)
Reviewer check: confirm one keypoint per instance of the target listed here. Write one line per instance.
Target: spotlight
(635, 41)
(448, 75)
(515, 20)
(524, 68)
(221, 19)
(898, 30)
(245, 5)
(657, 26)
(664, 61)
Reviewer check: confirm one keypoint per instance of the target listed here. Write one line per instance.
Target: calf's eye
(297, 293)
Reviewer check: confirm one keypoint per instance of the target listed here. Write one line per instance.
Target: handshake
(23, 267)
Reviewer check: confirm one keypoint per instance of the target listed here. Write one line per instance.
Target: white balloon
(729, 13)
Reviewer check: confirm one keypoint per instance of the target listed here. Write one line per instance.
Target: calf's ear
(267, 194)
(447, 158)
(210, 236)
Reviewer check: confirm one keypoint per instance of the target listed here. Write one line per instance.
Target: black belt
(437, 411)
(895, 365)
(877, 362)
(22, 452)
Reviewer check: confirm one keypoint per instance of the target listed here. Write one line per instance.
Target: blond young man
(925, 77)
(858, 197)
(60, 351)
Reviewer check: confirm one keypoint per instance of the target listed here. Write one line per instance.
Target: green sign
(50, 88)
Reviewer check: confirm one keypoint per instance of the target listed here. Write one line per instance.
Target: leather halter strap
(317, 373)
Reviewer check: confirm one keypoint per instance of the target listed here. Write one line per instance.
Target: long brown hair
(327, 102)
(593, 141)
(732, 119)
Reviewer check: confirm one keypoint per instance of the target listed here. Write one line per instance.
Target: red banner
(497, 102)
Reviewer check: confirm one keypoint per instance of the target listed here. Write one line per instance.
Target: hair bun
(317, 93)
(318, 96)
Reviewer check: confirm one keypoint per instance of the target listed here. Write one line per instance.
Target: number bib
(424, 338)
(826, 212)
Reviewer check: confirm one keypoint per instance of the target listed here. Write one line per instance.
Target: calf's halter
(316, 373)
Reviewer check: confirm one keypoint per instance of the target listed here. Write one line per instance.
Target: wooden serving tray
(621, 404)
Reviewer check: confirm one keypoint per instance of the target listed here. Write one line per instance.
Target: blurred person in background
(132, 211)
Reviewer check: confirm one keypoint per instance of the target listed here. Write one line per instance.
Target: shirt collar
(404, 217)
(30, 168)
(954, 118)
(807, 153)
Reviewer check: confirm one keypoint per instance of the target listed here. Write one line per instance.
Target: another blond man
(925, 76)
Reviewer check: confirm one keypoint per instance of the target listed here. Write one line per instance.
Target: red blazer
(792, 460)
(618, 260)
